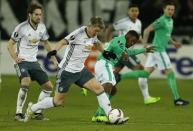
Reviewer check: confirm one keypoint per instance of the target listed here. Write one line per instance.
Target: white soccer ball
(115, 115)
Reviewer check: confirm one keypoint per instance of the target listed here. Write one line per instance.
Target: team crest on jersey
(16, 34)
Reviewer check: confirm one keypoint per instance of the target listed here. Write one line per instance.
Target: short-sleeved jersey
(163, 28)
(118, 46)
(27, 40)
(124, 25)
(78, 49)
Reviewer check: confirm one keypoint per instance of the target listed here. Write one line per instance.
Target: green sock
(100, 111)
(135, 74)
(172, 84)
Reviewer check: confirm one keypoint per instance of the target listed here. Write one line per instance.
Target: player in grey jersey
(72, 70)
(23, 48)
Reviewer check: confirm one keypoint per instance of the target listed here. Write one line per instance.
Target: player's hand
(150, 49)
(178, 45)
(124, 56)
(18, 60)
(54, 61)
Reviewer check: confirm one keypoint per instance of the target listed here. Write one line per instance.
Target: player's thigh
(151, 61)
(23, 73)
(38, 74)
(64, 80)
(163, 61)
(118, 67)
(104, 72)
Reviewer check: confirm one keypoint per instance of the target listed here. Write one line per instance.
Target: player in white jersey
(23, 48)
(131, 22)
(72, 70)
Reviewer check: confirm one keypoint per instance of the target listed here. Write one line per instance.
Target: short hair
(97, 22)
(32, 7)
(168, 3)
(132, 33)
(133, 6)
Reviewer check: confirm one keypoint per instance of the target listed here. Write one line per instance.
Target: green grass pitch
(78, 110)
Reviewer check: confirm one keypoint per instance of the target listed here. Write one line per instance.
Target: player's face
(36, 16)
(133, 13)
(93, 31)
(169, 10)
(132, 40)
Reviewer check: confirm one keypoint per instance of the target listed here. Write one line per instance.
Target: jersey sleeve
(16, 34)
(72, 36)
(140, 27)
(45, 35)
(159, 23)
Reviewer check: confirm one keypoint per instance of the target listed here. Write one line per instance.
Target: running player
(131, 22)
(118, 50)
(72, 70)
(163, 27)
(27, 37)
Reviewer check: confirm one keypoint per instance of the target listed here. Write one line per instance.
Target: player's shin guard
(135, 74)
(172, 84)
(43, 104)
(43, 94)
(144, 87)
(100, 111)
(104, 102)
(22, 95)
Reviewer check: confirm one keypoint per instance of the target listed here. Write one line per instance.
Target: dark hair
(133, 6)
(32, 7)
(97, 21)
(168, 3)
(132, 33)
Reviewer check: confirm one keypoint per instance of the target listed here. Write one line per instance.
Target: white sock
(22, 95)
(43, 104)
(43, 94)
(104, 102)
(144, 87)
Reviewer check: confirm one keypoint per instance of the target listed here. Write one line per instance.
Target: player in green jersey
(117, 49)
(163, 27)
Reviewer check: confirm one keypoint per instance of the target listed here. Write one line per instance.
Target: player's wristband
(51, 53)
(109, 55)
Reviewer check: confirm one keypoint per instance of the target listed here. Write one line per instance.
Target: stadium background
(62, 17)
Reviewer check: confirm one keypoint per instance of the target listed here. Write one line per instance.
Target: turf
(78, 110)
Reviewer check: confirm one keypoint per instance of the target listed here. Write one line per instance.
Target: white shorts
(159, 60)
(104, 72)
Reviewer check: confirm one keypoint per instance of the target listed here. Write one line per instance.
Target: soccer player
(118, 50)
(72, 70)
(131, 22)
(23, 48)
(163, 27)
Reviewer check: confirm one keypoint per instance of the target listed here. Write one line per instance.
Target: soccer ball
(115, 115)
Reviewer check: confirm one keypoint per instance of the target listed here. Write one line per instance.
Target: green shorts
(32, 70)
(65, 79)
(130, 63)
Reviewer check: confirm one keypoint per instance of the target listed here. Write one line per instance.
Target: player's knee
(48, 86)
(108, 87)
(114, 91)
(25, 81)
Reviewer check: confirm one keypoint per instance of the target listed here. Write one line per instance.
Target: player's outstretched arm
(146, 32)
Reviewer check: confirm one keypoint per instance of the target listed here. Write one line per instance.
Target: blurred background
(63, 16)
